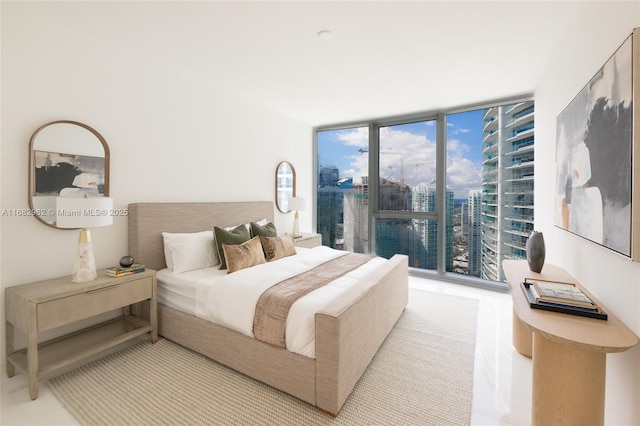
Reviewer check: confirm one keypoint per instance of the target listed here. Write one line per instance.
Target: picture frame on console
(598, 155)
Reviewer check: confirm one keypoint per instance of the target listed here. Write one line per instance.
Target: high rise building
(464, 218)
(423, 199)
(356, 218)
(474, 232)
(394, 235)
(342, 217)
(330, 205)
(328, 176)
(507, 185)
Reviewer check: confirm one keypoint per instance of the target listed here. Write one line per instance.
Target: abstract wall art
(597, 156)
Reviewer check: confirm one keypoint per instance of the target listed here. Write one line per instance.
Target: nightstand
(44, 305)
(308, 240)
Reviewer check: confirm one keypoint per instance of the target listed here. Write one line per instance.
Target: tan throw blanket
(272, 309)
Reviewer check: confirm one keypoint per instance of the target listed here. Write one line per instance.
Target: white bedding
(178, 291)
(230, 299)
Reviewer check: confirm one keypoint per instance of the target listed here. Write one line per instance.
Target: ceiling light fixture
(325, 35)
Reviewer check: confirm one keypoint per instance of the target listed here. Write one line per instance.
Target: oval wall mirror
(285, 185)
(66, 158)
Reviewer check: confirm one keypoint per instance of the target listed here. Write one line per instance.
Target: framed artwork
(59, 174)
(597, 156)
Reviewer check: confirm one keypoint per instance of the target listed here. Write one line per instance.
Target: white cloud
(358, 137)
(412, 157)
(406, 156)
(359, 168)
(463, 175)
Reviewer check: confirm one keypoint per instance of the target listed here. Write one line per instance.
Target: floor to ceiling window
(342, 216)
(464, 180)
(406, 221)
(453, 190)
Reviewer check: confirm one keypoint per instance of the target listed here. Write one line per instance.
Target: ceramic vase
(535, 251)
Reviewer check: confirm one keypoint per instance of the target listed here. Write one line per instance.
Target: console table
(568, 352)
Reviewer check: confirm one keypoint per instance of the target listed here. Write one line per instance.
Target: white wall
(174, 134)
(612, 278)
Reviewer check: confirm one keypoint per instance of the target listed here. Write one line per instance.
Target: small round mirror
(285, 185)
(66, 158)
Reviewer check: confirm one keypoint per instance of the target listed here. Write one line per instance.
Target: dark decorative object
(126, 261)
(535, 251)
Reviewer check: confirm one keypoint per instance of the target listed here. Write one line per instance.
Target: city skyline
(490, 171)
(408, 152)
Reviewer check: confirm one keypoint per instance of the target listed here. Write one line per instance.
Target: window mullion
(441, 191)
(374, 180)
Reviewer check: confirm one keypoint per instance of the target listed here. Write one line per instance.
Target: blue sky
(407, 152)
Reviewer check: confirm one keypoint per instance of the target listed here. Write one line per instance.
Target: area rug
(422, 375)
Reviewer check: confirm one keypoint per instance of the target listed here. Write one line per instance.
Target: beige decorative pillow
(277, 247)
(245, 255)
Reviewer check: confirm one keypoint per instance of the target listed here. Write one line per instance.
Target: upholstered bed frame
(348, 334)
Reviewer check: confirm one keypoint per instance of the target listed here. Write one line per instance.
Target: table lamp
(297, 204)
(84, 213)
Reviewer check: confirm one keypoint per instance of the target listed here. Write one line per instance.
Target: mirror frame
(32, 163)
(293, 171)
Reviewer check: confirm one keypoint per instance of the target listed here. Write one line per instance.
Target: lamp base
(296, 227)
(84, 268)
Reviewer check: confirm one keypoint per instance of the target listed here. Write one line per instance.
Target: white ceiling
(386, 58)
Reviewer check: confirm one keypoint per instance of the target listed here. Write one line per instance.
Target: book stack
(560, 297)
(117, 271)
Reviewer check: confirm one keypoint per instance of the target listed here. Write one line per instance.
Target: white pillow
(189, 251)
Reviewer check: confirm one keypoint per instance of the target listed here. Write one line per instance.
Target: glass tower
(507, 185)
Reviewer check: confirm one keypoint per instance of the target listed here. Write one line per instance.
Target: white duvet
(230, 300)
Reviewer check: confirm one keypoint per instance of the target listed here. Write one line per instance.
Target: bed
(348, 333)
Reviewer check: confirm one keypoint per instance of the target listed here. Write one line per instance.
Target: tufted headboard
(147, 222)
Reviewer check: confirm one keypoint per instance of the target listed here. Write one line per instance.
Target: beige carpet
(422, 375)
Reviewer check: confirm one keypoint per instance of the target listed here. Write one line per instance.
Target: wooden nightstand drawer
(84, 305)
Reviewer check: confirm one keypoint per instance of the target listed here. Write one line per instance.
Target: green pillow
(268, 230)
(237, 235)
